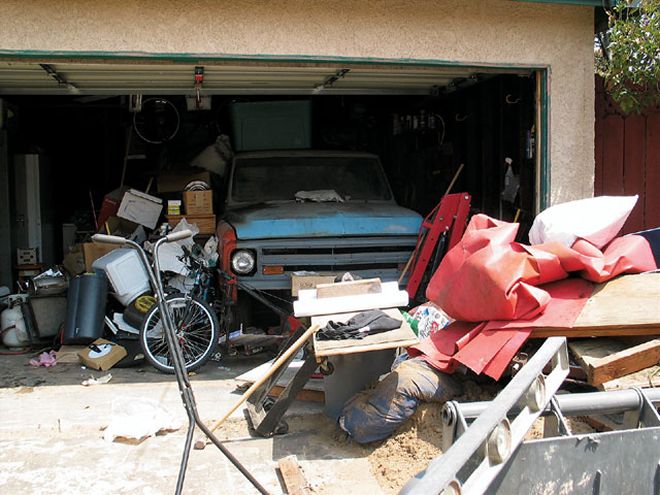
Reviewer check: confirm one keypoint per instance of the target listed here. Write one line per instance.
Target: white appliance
(33, 206)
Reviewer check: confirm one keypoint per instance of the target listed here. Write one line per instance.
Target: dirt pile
(418, 441)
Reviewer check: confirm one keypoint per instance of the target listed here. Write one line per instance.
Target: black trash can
(85, 310)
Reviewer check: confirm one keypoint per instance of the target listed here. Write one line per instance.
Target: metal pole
(585, 404)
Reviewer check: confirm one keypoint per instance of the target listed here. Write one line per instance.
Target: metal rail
(585, 404)
(482, 450)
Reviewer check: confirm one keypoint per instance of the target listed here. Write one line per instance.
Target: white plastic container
(125, 272)
(12, 325)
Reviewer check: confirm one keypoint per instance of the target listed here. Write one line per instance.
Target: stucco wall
(476, 31)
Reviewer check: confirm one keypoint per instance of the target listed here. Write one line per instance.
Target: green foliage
(630, 61)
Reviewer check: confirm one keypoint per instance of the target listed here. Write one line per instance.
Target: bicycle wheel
(196, 329)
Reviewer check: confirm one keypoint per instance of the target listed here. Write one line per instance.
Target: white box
(126, 274)
(141, 208)
(27, 256)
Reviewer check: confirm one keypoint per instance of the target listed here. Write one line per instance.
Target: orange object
(273, 270)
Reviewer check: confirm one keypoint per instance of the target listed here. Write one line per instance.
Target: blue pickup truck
(327, 212)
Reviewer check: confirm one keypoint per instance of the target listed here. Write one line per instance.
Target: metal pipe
(442, 470)
(584, 404)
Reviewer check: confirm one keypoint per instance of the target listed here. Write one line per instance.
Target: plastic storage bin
(125, 272)
(85, 310)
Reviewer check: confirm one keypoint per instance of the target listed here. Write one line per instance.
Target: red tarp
(488, 277)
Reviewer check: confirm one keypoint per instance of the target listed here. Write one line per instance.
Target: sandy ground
(51, 437)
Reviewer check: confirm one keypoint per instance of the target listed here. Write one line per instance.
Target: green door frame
(542, 72)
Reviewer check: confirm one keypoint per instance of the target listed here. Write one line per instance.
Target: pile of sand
(418, 441)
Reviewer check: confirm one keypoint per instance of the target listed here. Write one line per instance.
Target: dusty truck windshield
(280, 178)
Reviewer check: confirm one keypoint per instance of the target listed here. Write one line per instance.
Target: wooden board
(627, 305)
(630, 300)
(255, 374)
(309, 305)
(578, 333)
(607, 359)
(293, 477)
(304, 395)
(353, 288)
(401, 337)
(648, 378)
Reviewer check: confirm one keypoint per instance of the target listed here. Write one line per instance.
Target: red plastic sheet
(489, 276)
(506, 289)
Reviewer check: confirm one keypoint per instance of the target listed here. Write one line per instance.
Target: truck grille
(364, 256)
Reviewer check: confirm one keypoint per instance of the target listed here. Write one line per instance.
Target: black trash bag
(395, 399)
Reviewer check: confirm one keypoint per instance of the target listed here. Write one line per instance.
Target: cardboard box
(176, 181)
(198, 202)
(102, 354)
(93, 251)
(141, 208)
(69, 354)
(74, 260)
(205, 223)
(27, 256)
(302, 282)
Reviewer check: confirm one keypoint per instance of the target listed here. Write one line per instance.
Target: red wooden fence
(628, 158)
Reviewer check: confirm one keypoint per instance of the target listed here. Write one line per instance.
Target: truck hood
(267, 221)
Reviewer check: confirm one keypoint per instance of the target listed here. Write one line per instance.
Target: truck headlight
(242, 261)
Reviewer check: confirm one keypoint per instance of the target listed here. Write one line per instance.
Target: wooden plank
(599, 150)
(309, 305)
(613, 155)
(255, 374)
(304, 395)
(292, 475)
(401, 337)
(648, 378)
(627, 305)
(575, 333)
(607, 359)
(353, 288)
(652, 198)
(634, 169)
(630, 300)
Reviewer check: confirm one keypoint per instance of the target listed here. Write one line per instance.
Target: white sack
(597, 220)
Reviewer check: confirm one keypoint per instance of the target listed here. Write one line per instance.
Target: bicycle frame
(183, 382)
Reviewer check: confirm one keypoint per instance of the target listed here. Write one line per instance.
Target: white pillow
(597, 220)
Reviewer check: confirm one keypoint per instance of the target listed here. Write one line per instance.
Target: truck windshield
(280, 178)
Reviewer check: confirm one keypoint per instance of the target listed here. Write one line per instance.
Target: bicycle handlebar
(177, 236)
(109, 239)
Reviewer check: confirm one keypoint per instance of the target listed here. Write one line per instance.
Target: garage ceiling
(121, 79)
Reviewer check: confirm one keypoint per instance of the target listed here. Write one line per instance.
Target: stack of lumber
(619, 330)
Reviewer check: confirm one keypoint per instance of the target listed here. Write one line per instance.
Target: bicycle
(170, 331)
(196, 325)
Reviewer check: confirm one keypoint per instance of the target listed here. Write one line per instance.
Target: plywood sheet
(627, 305)
(401, 337)
(630, 300)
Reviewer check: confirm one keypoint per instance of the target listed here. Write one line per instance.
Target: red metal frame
(449, 215)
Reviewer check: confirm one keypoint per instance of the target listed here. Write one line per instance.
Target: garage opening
(96, 127)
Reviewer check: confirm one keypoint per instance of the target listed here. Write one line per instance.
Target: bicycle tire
(198, 341)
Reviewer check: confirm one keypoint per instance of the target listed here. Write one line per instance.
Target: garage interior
(422, 121)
